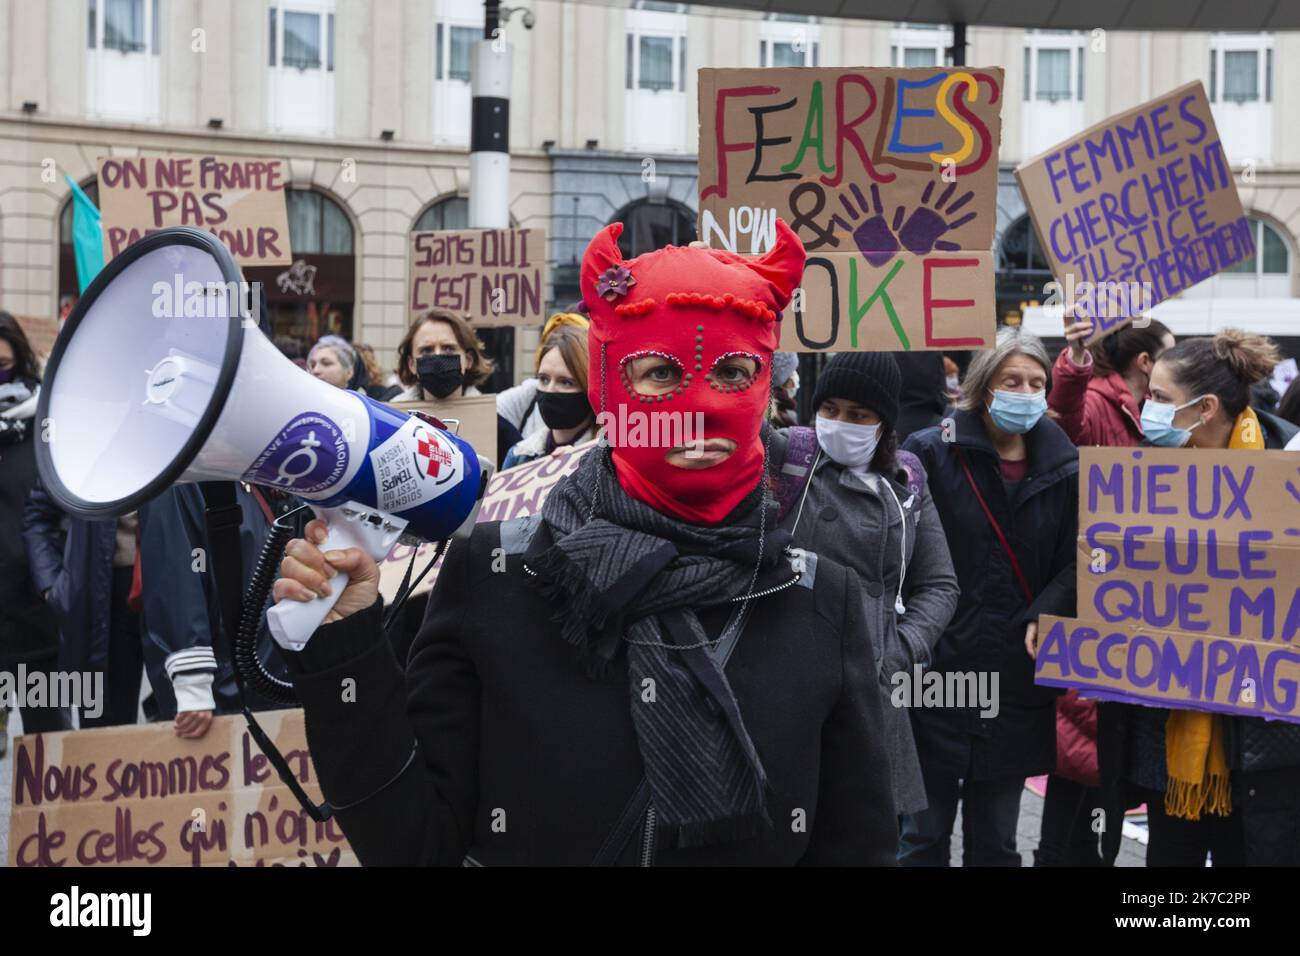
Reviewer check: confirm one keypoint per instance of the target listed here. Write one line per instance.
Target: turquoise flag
(87, 237)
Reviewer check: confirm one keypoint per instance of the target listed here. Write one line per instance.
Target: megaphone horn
(157, 377)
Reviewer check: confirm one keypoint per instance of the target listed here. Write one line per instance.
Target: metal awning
(1188, 15)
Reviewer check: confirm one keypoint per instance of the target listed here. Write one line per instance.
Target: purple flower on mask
(614, 282)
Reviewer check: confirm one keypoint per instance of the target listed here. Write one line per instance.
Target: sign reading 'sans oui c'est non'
(494, 276)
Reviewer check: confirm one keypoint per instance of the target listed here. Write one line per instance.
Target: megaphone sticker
(308, 455)
(415, 464)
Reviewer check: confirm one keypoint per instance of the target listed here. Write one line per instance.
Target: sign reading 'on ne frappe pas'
(1188, 582)
(889, 176)
(238, 199)
(1137, 208)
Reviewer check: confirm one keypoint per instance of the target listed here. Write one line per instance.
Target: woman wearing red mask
(656, 676)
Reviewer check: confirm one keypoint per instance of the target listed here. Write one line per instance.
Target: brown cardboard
(240, 199)
(1093, 213)
(477, 415)
(493, 276)
(1146, 564)
(879, 171)
(141, 796)
(511, 494)
(1160, 667)
(939, 301)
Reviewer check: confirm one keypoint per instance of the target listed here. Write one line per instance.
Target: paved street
(1132, 853)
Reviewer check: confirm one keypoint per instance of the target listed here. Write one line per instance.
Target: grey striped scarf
(624, 574)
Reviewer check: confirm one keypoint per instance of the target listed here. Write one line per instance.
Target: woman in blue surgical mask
(866, 506)
(1005, 481)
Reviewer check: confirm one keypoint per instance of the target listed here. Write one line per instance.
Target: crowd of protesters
(943, 511)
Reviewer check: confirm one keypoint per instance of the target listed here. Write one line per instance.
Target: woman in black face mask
(440, 357)
(561, 398)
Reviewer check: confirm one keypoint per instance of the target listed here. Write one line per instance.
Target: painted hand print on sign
(889, 176)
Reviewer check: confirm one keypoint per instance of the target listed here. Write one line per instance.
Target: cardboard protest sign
(239, 199)
(141, 796)
(1188, 582)
(889, 176)
(477, 415)
(495, 276)
(1161, 667)
(511, 494)
(1136, 209)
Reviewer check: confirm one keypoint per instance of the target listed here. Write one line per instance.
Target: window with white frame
(300, 59)
(128, 26)
(1241, 68)
(454, 46)
(1271, 254)
(301, 39)
(457, 31)
(918, 44)
(1240, 86)
(656, 63)
(789, 40)
(1265, 275)
(449, 213)
(122, 47)
(1053, 66)
(655, 77)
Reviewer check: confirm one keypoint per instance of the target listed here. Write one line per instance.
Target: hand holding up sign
(1076, 334)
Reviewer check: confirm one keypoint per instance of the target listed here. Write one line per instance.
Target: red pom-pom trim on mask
(750, 307)
(630, 310)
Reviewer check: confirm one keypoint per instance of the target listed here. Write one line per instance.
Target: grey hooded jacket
(895, 542)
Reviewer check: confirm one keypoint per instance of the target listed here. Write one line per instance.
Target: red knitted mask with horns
(686, 330)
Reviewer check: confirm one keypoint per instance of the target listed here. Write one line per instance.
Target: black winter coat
(496, 748)
(72, 559)
(1253, 742)
(28, 632)
(986, 634)
(181, 607)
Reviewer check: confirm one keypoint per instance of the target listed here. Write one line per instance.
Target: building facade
(368, 101)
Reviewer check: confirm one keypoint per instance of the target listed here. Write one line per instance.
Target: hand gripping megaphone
(159, 376)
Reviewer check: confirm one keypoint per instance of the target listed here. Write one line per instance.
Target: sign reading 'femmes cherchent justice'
(1137, 209)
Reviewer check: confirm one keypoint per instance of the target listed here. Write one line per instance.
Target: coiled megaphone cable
(251, 672)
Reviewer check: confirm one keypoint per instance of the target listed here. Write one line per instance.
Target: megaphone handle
(292, 623)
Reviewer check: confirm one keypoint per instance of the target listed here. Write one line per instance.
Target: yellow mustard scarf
(1194, 744)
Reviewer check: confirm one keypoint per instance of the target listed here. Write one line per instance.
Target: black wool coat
(495, 747)
(28, 631)
(986, 633)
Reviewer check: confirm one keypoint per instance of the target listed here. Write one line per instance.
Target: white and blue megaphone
(159, 375)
